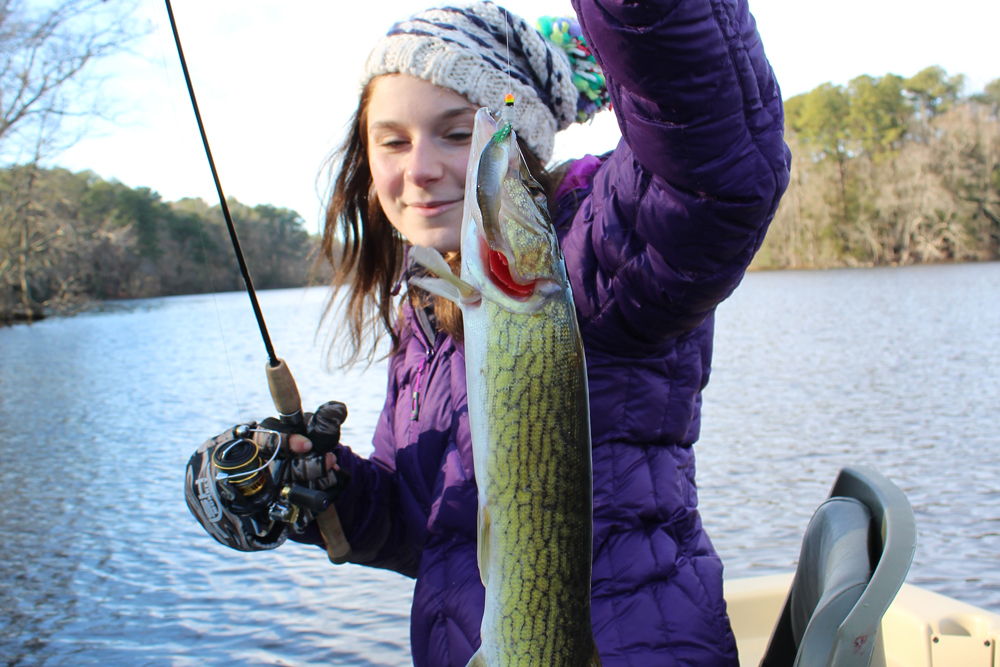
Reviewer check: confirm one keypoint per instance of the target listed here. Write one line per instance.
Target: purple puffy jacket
(655, 235)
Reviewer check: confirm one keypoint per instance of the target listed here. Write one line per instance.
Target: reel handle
(288, 403)
(313, 500)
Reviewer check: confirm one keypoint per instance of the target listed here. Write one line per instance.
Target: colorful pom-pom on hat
(588, 77)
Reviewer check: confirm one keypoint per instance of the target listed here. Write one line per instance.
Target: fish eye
(536, 193)
(533, 187)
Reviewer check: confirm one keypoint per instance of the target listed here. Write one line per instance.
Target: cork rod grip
(283, 390)
(337, 548)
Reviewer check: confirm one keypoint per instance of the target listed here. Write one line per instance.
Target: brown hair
(367, 254)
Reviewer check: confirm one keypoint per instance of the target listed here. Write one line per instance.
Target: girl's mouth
(434, 208)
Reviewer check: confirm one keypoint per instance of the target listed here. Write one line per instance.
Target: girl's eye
(459, 135)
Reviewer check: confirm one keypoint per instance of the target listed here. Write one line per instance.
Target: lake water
(101, 563)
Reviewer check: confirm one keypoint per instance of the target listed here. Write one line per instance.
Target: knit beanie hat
(555, 81)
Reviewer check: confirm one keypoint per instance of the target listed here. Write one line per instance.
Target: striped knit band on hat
(465, 50)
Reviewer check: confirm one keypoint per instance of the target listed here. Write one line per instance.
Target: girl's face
(419, 137)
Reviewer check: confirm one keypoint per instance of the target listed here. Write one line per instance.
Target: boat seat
(855, 555)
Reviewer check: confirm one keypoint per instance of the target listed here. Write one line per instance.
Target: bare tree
(47, 54)
(46, 58)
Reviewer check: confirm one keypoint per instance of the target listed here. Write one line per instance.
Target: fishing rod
(284, 391)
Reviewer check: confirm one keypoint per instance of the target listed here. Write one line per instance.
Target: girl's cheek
(382, 169)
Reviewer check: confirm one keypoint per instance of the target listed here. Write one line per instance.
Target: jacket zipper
(415, 405)
(428, 334)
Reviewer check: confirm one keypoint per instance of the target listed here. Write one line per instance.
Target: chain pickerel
(528, 412)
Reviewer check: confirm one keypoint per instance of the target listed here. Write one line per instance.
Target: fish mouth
(497, 268)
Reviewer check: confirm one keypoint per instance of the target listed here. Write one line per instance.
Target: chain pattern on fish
(538, 569)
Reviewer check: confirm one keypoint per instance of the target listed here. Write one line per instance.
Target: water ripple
(101, 564)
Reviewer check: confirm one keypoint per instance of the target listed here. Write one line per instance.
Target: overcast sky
(277, 81)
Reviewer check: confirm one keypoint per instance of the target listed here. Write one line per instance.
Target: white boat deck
(920, 629)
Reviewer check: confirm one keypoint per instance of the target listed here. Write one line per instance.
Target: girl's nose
(426, 163)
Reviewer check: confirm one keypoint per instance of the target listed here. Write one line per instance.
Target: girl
(655, 235)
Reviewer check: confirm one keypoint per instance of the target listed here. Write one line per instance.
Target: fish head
(509, 247)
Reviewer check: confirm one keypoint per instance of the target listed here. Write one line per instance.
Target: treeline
(67, 239)
(886, 170)
(890, 170)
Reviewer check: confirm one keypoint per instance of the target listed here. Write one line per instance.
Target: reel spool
(240, 462)
(245, 479)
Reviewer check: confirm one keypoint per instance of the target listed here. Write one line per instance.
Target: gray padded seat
(855, 554)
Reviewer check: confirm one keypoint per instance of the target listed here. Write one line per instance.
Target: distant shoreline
(18, 314)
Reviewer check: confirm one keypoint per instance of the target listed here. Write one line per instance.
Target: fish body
(528, 413)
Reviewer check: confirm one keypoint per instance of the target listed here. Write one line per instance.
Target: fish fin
(483, 524)
(477, 660)
(447, 284)
(437, 286)
(431, 259)
(595, 660)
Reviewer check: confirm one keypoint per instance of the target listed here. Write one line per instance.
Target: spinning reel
(250, 488)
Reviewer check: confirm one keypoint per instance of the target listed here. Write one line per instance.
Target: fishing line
(201, 229)
(284, 391)
(506, 33)
(507, 112)
(272, 358)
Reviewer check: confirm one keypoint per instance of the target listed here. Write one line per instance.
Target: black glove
(324, 426)
(323, 430)
(221, 509)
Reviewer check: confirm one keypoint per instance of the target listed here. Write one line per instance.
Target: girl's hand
(299, 444)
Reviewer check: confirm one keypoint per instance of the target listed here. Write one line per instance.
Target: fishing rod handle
(284, 393)
(338, 549)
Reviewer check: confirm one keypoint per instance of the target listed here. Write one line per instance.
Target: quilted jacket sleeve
(679, 209)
